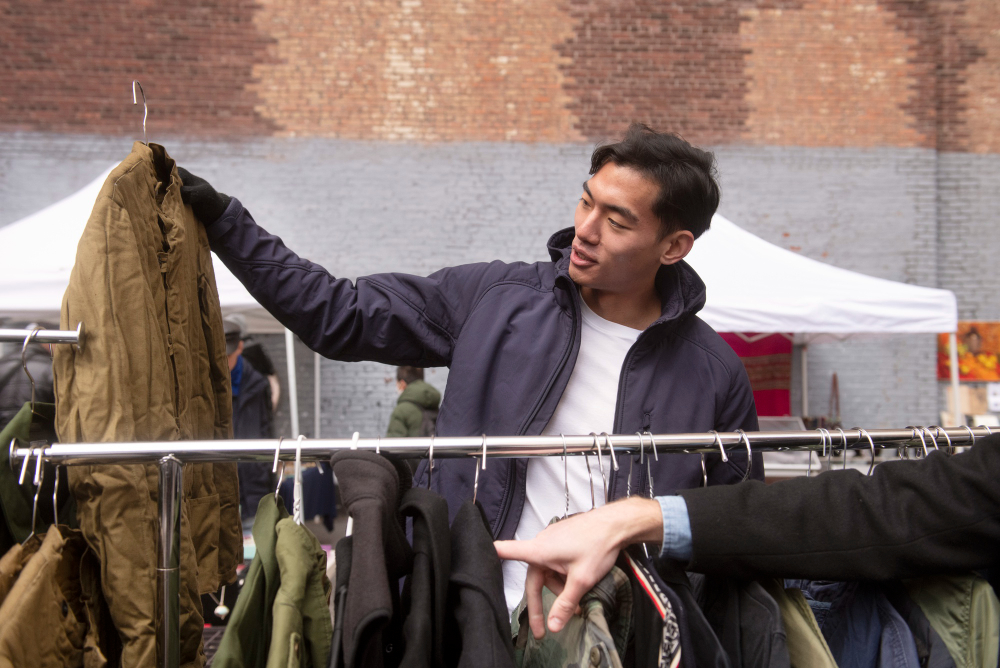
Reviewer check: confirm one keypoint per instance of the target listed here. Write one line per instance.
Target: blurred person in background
(417, 407)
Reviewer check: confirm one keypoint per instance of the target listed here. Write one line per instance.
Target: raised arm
(391, 318)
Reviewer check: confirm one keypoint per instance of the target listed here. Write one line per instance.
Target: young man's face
(617, 247)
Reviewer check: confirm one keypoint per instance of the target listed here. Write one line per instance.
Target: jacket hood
(682, 292)
(422, 394)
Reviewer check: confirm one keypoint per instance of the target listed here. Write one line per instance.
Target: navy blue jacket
(510, 334)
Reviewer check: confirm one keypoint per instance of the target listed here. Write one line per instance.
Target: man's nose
(589, 228)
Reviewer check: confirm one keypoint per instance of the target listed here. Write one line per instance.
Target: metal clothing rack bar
(45, 335)
(170, 455)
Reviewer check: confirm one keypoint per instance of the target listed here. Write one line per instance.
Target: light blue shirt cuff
(676, 528)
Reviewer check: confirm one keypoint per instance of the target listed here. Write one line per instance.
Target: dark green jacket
(247, 639)
(407, 417)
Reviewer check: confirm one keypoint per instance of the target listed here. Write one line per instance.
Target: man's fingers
(566, 604)
(533, 591)
(518, 550)
(554, 582)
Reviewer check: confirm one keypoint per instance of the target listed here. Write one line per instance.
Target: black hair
(687, 176)
(408, 374)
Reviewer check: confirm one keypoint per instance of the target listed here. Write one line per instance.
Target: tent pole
(804, 357)
(316, 371)
(955, 394)
(293, 388)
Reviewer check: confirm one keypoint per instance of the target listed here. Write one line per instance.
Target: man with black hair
(416, 409)
(604, 337)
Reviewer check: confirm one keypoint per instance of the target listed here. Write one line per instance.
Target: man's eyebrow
(621, 210)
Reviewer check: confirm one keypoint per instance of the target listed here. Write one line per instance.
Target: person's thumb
(566, 604)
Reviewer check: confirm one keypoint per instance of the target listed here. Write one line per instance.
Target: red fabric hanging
(768, 361)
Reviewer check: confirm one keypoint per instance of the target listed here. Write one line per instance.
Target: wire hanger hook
(145, 109)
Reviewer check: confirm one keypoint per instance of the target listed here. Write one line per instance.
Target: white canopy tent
(753, 286)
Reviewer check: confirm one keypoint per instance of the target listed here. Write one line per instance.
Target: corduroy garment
(153, 369)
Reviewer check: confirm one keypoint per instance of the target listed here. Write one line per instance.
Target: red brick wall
(67, 66)
(790, 72)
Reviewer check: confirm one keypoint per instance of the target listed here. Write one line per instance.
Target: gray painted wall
(365, 207)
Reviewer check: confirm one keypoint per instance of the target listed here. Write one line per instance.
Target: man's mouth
(581, 258)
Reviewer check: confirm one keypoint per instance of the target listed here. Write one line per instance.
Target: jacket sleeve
(395, 319)
(736, 411)
(910, 518)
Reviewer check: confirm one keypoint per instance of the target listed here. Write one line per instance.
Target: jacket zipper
(508, 497)
(613, 479)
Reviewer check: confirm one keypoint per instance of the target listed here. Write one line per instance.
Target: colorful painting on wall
(978, 352)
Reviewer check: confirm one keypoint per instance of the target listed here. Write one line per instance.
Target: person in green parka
(417, 408)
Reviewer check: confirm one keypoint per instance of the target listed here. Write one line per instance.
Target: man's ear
(676, 246)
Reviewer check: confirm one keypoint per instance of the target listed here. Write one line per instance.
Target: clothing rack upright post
(170, 455)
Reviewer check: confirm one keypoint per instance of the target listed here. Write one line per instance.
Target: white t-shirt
(587, 405)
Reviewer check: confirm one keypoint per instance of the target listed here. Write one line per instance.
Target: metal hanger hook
(972, 434)
(24, 362)
(718, 442)
(39, 478)
(277, 453)
(746, 439)
(989, 431)
(642, 448)
(652, 442)
(915, 432)
(611, 447)
(864, 433)
(145, 109)
(565, 475)
(482, 465)
(600, 464)
(430, 462)
(55, 501)
(930, 436)
(941, 431)
(484, 452)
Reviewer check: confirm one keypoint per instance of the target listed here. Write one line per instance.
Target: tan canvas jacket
(153, 368)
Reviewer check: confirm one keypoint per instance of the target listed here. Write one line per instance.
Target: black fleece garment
(425, 595)
(746, 620)
(343, 555)
(478, 626)
(370, 490)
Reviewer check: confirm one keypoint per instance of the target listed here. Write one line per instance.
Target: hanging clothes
(342, 557)
(861, 627)
(52, 613)
(301, 629)
(596, 637)
(16, 500)
(965, 612)
(425, 594)
(154, 369)
(745, 618)
(247, 640)
(661, 636)
(479, 630)
(370, 488)
(807, 647)
(931, 649)
(707, 650)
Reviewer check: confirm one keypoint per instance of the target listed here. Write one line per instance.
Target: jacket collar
(682, 292)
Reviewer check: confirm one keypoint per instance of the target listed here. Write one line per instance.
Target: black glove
(207, 203)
